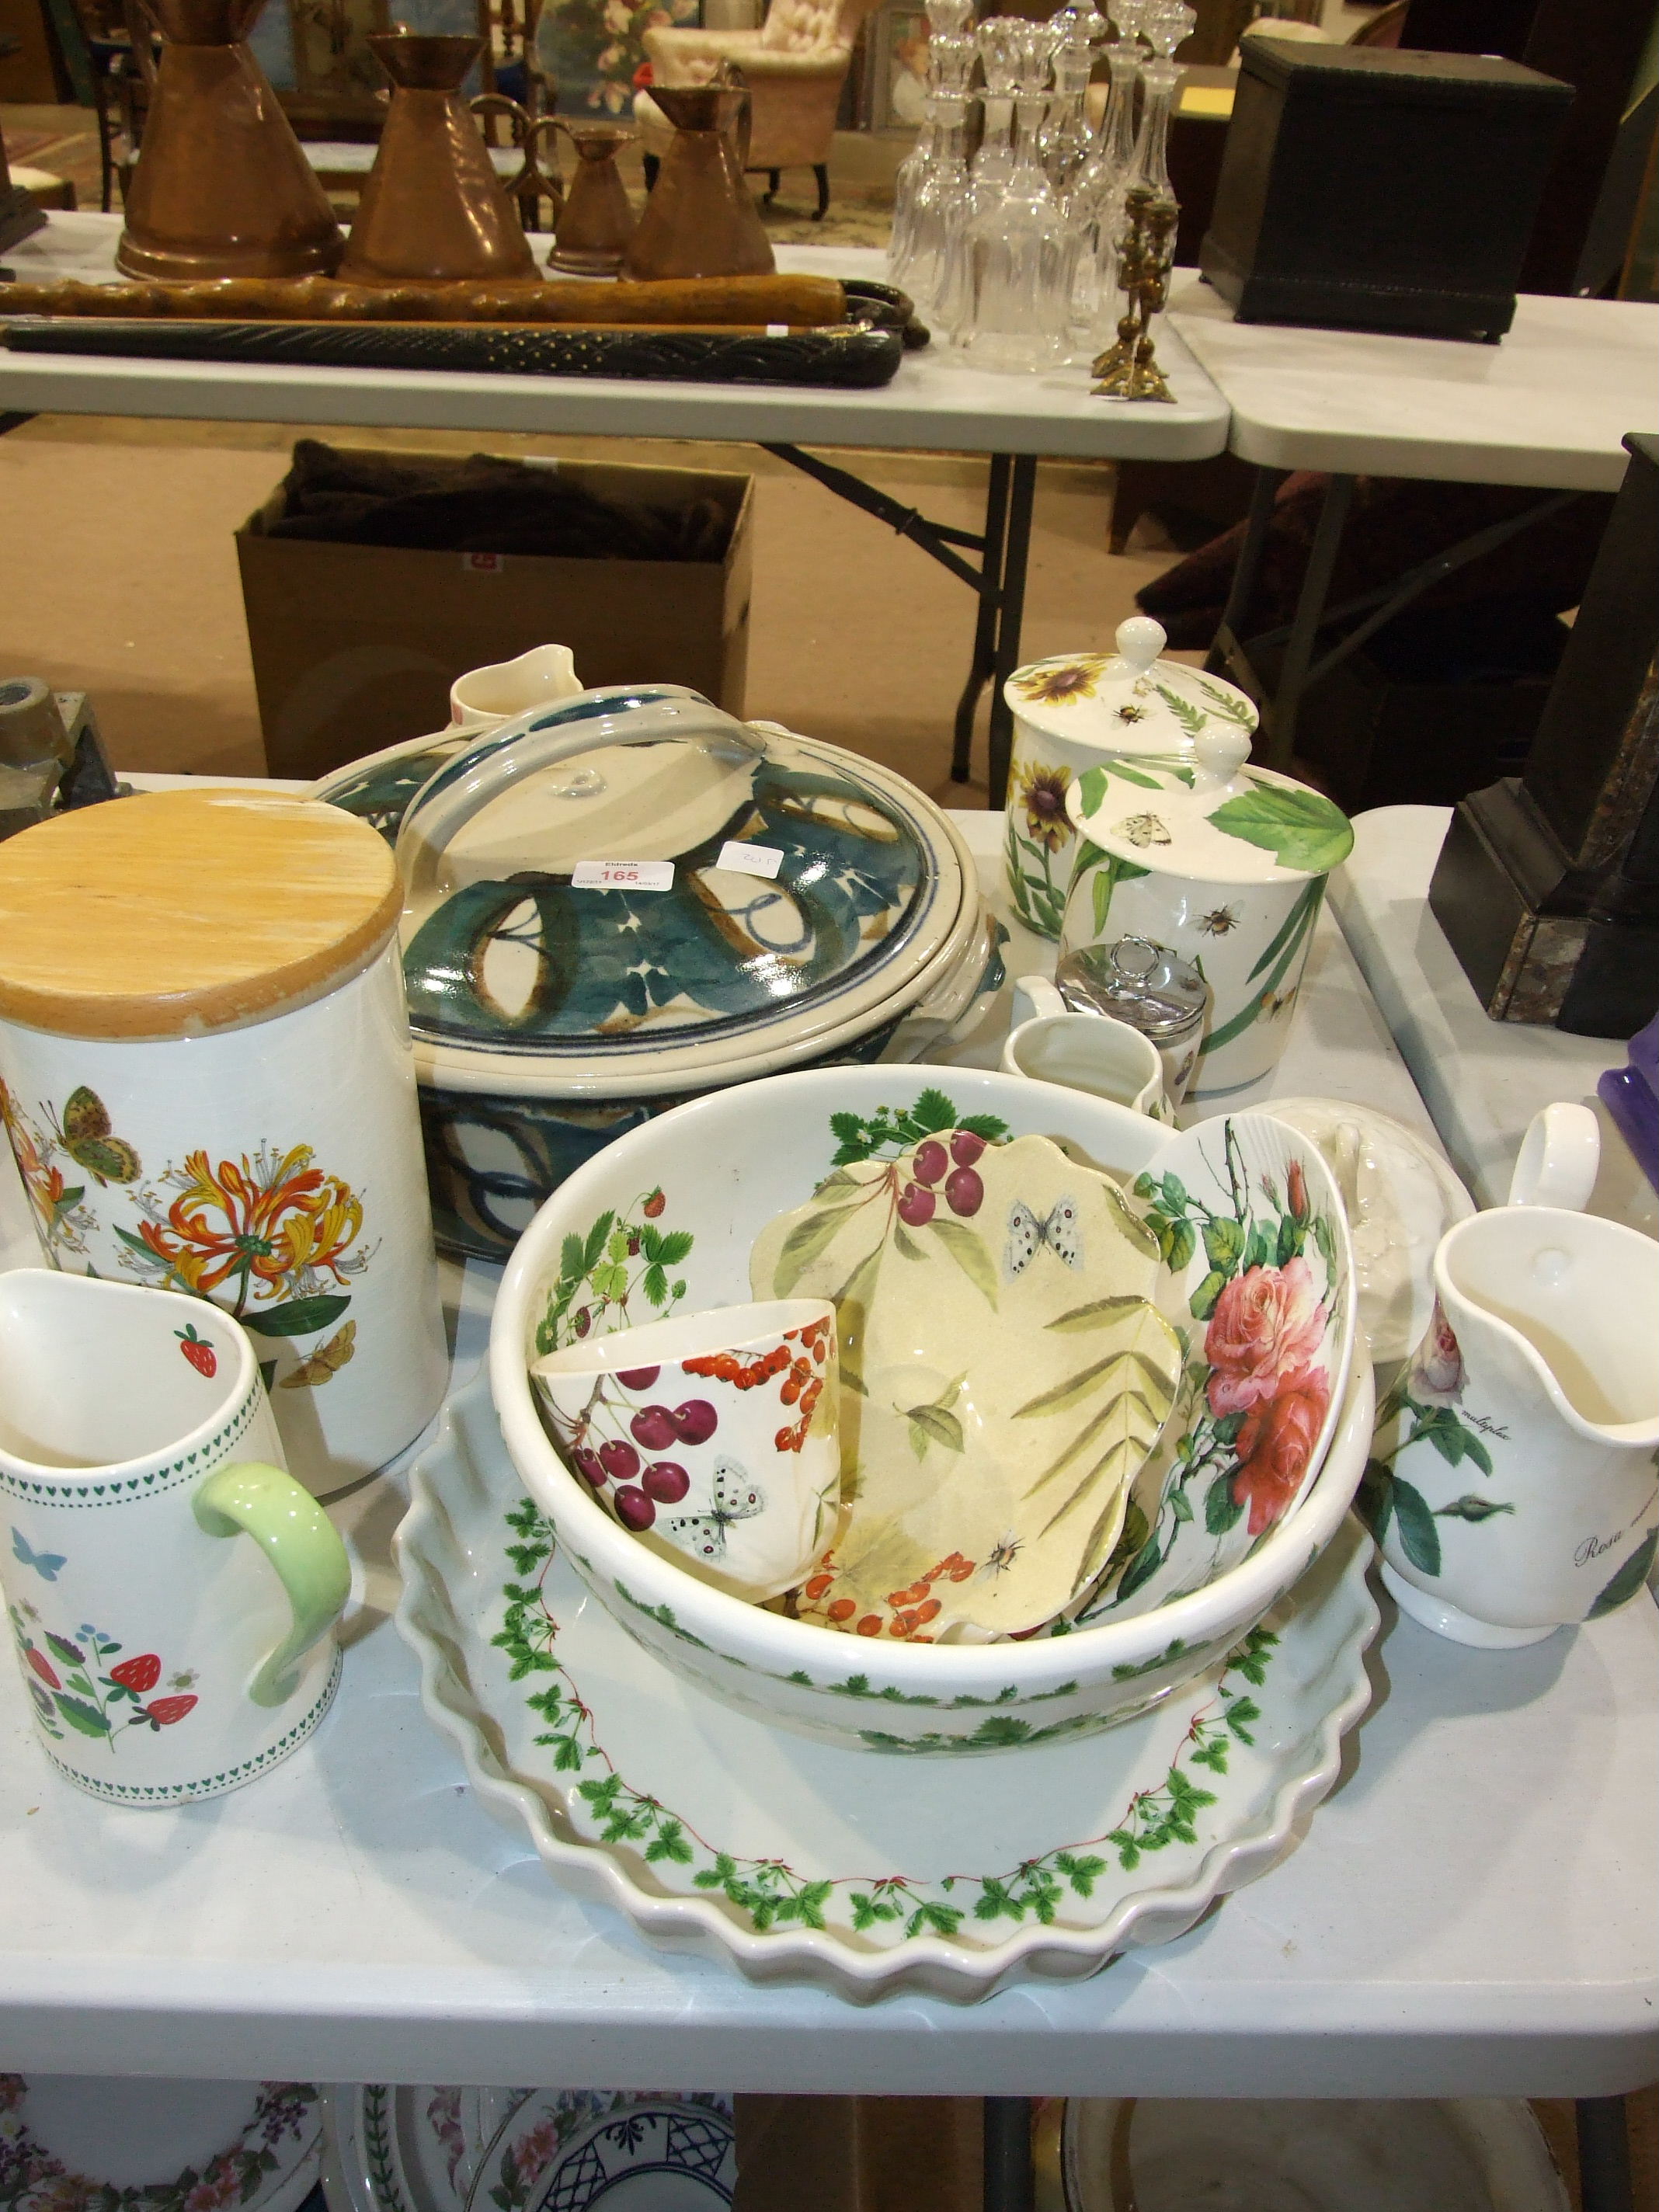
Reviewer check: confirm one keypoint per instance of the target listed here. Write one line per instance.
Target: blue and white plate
(645, 2154)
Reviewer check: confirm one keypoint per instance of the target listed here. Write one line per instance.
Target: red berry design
(42, 1667)
(665, 1481)
(619, 1460)
(964, 1193)
(695, 1422)
(966, 1147)
(655, 1427)
(633, 1509)
(165, 1711)
(196, 1349)
(584, 1320)
(916, 1205)
(653, 1205)
(138, 1674)
(590, 1466)
(931, 1161)
(637, 1378)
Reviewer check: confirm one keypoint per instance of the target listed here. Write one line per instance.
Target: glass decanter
(940, 206)
(1166, 23)
(1019, 262)
(950, 61)
(1096, 198)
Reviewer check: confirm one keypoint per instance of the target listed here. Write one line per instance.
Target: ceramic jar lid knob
(1218, 755)
(1139, 640)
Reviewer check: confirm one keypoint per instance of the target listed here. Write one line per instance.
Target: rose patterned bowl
(665, 1219)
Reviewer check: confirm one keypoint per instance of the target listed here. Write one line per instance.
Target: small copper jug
(433, 207)
(700, 219)
(597, 223)
(222, 188)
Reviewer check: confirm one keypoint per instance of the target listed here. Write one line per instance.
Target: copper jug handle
(527, 131)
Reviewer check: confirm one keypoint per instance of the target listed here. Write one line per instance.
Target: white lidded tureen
(1076, 710)
(625, 898)
(1223, 863)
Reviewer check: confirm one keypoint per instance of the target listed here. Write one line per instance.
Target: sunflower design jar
(1078, 711)
(207, 1084)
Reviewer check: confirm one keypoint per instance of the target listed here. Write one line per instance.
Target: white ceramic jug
(485, 696)
(1513, 1486)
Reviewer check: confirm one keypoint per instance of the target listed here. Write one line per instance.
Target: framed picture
(895, 66)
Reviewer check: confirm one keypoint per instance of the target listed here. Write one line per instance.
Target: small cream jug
(141, 1481)
(1513, 1486)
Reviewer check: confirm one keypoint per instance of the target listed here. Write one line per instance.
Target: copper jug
(220, 188)
(597, 222)
(700, 219)
(433, 207)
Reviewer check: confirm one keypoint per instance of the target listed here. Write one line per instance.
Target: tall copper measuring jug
(699, 218)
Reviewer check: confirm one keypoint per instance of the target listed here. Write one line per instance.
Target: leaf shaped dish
(1004, 1375)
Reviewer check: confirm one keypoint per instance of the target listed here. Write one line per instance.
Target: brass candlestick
(1128, 370)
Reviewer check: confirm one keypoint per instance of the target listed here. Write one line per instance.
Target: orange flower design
(275, 1223)
(1053, 686)
(44, 1185)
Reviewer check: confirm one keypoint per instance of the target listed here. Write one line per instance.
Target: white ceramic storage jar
(206, 1078)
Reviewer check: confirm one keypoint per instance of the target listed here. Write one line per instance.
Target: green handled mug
(164, 1657)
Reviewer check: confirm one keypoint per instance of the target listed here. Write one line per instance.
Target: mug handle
(1035, 996)
(1558, 1159)
(301, 1543)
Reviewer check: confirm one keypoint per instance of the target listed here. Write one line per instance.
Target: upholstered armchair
(794, 66)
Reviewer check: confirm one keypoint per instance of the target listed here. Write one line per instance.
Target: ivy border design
(81, 1497)
(213, 1785)
(769, 1893)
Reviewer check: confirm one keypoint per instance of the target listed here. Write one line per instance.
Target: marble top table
(1472, 1913)
(1548, 406)
(935, 404)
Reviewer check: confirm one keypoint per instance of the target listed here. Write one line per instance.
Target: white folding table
(1548, 407)
(1472, 1913)
(935, 404)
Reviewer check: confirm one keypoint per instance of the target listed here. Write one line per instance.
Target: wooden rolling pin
(752, 300)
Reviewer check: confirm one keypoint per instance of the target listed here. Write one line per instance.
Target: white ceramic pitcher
(1516, 1486)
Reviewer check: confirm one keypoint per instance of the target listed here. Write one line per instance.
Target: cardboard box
(356, 647)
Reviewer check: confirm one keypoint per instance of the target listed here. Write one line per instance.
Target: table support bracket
(998, 582)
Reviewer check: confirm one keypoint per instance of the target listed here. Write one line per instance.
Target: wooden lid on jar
(179, 912)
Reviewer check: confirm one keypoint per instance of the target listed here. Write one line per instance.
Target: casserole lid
(632, 880)
(1129, 702)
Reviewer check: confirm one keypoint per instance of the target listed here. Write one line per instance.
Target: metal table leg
(1281, 717)
(1010, 2177)
(1604, 2183)
(1227, 647)
(985, 631)
(1010, 618)
(999, 581)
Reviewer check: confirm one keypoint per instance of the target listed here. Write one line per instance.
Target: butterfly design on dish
(1027, 1232)
(736, 1498)
(47, 1564)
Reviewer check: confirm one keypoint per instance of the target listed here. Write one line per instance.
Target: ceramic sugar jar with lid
(1223, 863)
(207, 1082)
(1078, 709)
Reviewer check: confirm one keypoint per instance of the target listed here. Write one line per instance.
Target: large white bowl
(723, 1166)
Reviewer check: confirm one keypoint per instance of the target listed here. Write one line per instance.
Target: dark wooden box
(1380, 190)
